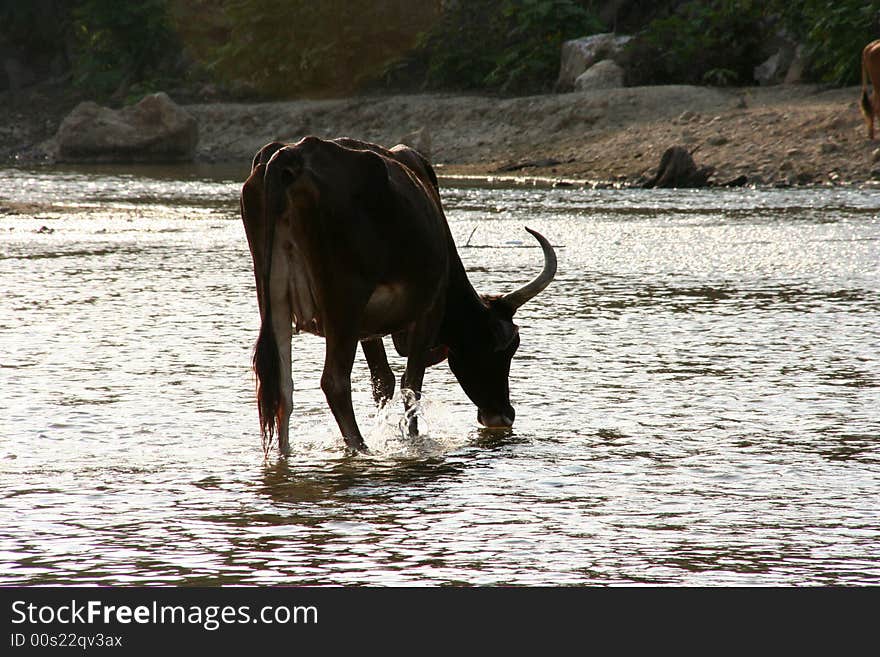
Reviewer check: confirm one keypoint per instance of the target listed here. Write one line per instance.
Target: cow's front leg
(412, 380)
(420, 340)
(336, 384)
(380, 372)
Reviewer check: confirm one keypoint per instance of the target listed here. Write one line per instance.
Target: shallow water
(697, 396)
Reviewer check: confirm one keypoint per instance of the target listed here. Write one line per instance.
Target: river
(697, 397)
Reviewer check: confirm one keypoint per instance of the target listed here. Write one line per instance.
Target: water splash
(439, 431)
(386, 431)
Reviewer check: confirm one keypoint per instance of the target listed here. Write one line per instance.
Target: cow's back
(342, 223)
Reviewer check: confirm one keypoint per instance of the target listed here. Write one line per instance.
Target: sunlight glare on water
(697, 397)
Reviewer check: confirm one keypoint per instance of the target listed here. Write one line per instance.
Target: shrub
(285, 48)
(508, 46)
(834, 34)
(716, 42)
(122, 46)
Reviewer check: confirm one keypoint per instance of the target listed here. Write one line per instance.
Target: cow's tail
(267, 361)
(268, 375)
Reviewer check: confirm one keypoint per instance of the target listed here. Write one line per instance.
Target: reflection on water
(697, 395)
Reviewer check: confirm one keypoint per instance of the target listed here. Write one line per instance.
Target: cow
(349, 242)
(870, 104)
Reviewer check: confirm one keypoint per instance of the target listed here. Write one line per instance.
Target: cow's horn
(518, 297)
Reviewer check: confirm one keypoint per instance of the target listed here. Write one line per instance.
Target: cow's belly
(389, 309)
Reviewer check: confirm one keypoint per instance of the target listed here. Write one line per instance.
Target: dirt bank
(800, 134)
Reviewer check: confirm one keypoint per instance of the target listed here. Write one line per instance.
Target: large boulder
(154, 130)
(601, 75)
(785, 62)
(580, 54)
(796, 69)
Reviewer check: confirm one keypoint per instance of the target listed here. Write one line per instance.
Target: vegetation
(721, 41)
(506, 45)
(283, 48)
(834, 33)
(717, 42)
(122, 48)
(288, 48)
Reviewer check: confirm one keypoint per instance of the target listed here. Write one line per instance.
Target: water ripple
(697, 398)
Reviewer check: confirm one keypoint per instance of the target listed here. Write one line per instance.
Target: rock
(678, 169)
(795, 72)
(875, 156)
(717, 140)
(739, 181)
(605, 74)
(804, 177)
(770, 71)
(578, 55)
(776, 67)
(420, 140)
(528, 164)
(154, 130)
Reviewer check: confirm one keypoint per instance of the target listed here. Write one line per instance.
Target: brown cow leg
(336, 384)
(283, 333)
(380, 372)
(412, 380)
(420, 340)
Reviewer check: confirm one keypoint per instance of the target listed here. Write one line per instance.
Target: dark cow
(349, 242)
(870, 105)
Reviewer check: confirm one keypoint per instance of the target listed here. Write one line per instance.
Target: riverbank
(783, 135)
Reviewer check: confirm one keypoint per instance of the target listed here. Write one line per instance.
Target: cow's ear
(504, 334)
(499, 307)
(254, 220)
(265, 154)
(252, 210)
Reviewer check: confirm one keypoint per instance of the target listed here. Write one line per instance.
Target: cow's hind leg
(380, 372)
(283, 334)
(336, 384)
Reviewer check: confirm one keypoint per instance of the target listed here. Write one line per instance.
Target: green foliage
(34, 27)
(510, 46)
(714, 42)
(834, 34)
(284, 48)
(122, 47)
(35, 32)
(720, 41)
(530, 59)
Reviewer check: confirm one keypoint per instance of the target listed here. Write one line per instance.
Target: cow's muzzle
(494, 419)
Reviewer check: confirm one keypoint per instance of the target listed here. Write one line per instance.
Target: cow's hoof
(353, 448)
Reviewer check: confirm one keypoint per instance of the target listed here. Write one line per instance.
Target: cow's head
(482, 370)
